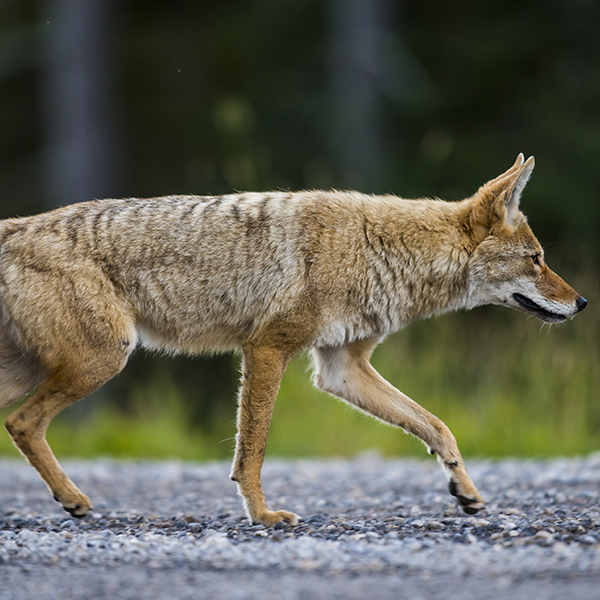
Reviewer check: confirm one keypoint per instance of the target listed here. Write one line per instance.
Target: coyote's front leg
(347, 373)
(262, 370)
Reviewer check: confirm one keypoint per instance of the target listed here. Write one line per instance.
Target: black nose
(581, 303)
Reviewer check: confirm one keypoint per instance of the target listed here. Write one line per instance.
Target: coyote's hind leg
(83, 372)
(27, 427)
(347, 373)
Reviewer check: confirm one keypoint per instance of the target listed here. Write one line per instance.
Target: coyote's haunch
(271, 274)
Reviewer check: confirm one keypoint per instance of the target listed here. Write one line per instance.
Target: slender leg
(263, 369)
(347, 373)
(89, 369)
(27, 427)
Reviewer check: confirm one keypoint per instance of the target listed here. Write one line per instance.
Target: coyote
(271, 274)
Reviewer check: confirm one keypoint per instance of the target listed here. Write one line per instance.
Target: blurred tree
(78, 101)
(20, 177)
(356, 70)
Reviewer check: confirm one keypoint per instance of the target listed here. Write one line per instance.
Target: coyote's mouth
(536, 310)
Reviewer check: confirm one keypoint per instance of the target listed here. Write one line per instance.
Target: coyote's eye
(536, 260)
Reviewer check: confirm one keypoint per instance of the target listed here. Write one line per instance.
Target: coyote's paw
(470, 500)
(268, 518)
(461, 486)
(78, 505)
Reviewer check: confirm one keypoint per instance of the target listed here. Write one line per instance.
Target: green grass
(501, 382)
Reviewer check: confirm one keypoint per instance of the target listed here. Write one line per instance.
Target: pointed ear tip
(530, 162)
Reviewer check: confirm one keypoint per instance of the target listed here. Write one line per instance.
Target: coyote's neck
(418, 259)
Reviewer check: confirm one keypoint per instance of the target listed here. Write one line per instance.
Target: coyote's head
(507, 265)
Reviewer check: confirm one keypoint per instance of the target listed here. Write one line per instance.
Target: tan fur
(272, 274)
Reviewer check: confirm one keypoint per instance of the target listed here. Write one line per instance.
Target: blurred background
(111, 98)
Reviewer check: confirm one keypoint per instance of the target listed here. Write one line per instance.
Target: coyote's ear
(498, 200)
(515, 187)
(510, 185)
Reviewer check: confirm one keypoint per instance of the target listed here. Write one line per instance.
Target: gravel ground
(371, 527)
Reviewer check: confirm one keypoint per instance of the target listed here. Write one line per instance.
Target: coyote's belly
(208, 312)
